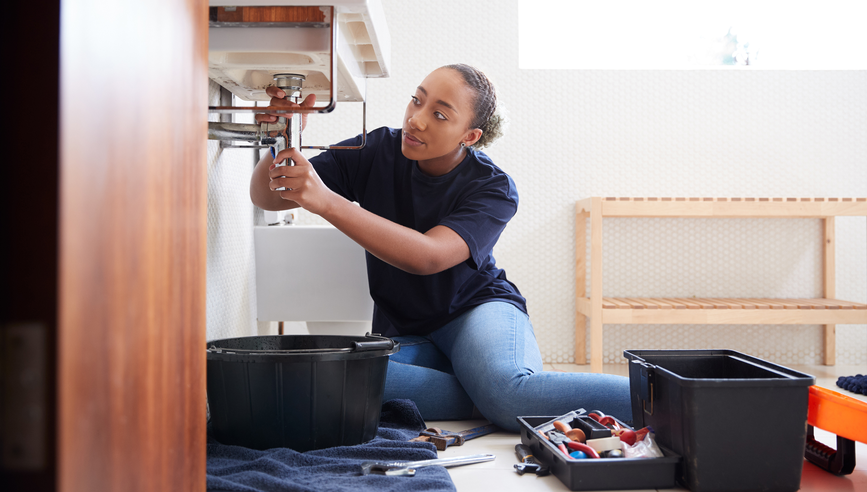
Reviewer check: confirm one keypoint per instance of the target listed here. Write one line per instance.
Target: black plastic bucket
(301, 392)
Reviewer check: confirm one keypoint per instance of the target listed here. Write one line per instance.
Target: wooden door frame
(105, 206)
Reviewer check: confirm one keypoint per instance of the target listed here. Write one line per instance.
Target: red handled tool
(604, 420)
(563, 443)
(559, 439)
(577, 446)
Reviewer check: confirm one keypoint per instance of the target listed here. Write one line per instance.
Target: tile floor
(499, 475)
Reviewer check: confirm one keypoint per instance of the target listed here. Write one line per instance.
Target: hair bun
(485, 108)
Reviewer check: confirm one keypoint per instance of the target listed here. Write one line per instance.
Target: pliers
(563, 443)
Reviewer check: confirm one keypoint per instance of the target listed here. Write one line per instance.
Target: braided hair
(486, 118)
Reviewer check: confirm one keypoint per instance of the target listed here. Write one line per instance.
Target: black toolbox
(599, 474)
(739, 422)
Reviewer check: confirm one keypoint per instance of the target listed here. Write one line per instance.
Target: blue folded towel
(855, 384)
(234, 468)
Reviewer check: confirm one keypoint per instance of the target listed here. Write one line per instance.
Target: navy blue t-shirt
(476, 200)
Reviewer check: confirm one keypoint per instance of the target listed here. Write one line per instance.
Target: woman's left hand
(303, 185)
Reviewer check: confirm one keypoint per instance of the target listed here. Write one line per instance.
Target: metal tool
(290, 84)
(564, 444)
(529, 463)
(408, 468)
(567, 419)
(559, 440)
(442, 439)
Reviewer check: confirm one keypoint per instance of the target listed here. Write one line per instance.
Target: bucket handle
(237, 351)
(377, 343)
(380, 343)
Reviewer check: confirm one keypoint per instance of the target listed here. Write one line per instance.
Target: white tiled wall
(576, 134)
(231, 281)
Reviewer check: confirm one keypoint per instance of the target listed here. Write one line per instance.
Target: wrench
(442, 439)
(408, 468)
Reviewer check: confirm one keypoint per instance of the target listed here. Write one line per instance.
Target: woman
(432, 207)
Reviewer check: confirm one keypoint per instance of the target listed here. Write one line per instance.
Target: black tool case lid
(717, 368)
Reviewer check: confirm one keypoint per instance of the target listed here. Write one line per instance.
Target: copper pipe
(363, 131)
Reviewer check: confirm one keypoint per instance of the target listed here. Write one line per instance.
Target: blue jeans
(488, 358)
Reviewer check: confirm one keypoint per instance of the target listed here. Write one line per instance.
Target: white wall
(576, 134)
(231, 270)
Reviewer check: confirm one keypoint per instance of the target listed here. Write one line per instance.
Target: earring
(463, 145)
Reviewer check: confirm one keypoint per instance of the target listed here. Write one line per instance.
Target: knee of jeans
(503, 407)
(503, 415)
(505, 421)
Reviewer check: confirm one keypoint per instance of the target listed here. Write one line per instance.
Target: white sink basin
(244, 59)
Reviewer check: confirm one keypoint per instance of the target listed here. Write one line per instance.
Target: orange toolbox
(841, 415)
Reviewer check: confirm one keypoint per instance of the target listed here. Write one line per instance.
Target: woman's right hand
(278, 101)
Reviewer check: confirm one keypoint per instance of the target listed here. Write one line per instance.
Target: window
(697, 34)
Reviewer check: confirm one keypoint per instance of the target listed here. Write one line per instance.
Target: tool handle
(577, 446)
(524, 454)
(840, 461)
(478, 431)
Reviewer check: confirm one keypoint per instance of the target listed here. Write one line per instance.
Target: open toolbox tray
(841, 415)
(603, 473)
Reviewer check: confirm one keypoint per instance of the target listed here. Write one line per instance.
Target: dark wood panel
(28, 251)
(267, 14)
(132, 245)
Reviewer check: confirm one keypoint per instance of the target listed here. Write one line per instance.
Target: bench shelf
(826, 311)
